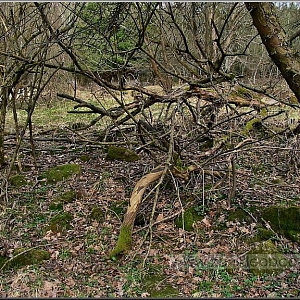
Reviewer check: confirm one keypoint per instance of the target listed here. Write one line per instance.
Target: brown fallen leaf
(159, 218)
(206, 222)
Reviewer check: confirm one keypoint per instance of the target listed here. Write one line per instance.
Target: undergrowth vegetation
(203, 224)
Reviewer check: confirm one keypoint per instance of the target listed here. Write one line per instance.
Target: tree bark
(276, 42)
(125, 236)
(3, 104)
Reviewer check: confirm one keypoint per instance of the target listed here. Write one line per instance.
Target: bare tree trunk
(274, 38)
(3, 104)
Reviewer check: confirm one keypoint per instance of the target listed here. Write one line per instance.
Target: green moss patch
(97, 214)
(121, 153)
(285, 221)
(123, 243)
(265, 234)
(189, 217)
(56, 205)
(61, 222)
(252, 125)
(266, 259)
(84, 157)
(240, 215)
(155, 284)
(23, 257)
(66, 197)
(262, 235)
(60, 173)
(18, 180)
(243, 92)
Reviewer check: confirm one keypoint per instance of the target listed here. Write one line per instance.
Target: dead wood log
(124, 242)
(125, 237)
(238, 101)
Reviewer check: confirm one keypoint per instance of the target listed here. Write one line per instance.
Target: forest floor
(167, 262)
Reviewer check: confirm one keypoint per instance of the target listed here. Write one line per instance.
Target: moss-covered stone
(67, 197)
(84, 157)
(61, 222)
(60, 173)
(190, 216)
(265, 234)
(239, 215)
(33, 256)
(262, 235)
(23, 257)
(285, 221)
(97, 214)
(121, 153)
(154, 286)
(59, 201)
(18, 180)
(266, 259)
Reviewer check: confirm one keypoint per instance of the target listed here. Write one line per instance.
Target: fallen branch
(125, 237)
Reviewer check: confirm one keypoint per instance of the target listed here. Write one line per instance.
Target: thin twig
(233, 186)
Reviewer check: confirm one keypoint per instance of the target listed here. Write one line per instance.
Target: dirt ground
(164, 262)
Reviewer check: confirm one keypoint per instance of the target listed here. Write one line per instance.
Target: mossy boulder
(66, 197)
(61, 222)
(24, 257)
(266, 259)
(121, 153)
(284, 220)
(262, 234)
(265, 234)
(60, 173)
(18, 180)
(84, 157)
(154, 286)
(97, 214)
(240, 215)
(187, 220)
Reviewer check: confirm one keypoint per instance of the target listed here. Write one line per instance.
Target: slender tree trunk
(276, 42)
(3, 104)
